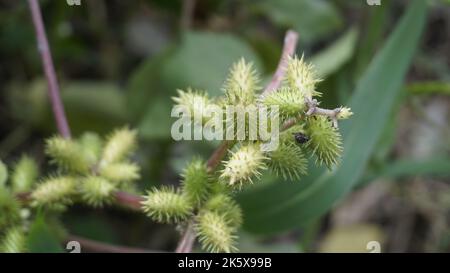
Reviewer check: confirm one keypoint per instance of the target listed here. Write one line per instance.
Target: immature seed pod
(288, 161)
(302, 77)
(165, 205)
(243, 164)
(241, 84)
(24, 174)
(214, 233)
(91, 145)
(224, 205)
(325, 142)
(13, 241)
(195, 103)
(66, 154)
(195, 182)
(119, 145)
(9, 209)
(97, 191)
(55, 192)
(120, 172)
(288, 101)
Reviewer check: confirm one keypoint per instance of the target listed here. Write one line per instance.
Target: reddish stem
(187, 241)
(47, 63)
(290, 43)
(218, 154)
(94, 246)
(129, 200)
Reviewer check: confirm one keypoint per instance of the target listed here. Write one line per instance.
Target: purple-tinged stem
(290, 43)
(47, 63)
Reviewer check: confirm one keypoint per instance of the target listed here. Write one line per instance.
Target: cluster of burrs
(88, 170)
(205, 198)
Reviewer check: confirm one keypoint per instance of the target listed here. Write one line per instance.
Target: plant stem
(187, 241)
(129, 200)
(217, 155)
(290, 43)
(94, 246)
(47, 63)
(313, 109)
(187, 13)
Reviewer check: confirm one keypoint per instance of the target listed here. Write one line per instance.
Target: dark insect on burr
(301, 138)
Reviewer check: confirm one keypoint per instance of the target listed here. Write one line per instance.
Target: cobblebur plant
(205, 198)
(87, 170)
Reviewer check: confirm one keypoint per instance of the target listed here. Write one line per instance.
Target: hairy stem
(47, 63)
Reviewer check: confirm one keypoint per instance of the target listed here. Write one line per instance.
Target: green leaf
(89, 106)
(145, 84)
(333, 57)
(371, 35)
(313, 19)
(427, 88)
(281, 206)
(156, 121)
(42, 238)
(93, 226)
(412, 167)
(97, 106)
(201, 61)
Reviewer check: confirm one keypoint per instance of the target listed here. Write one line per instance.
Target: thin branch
(290, 43)
(187, 14)
(289, 123)
(47, 63)
(187, 240)
(129, 200)
(24, 197)
(313, 109)
(89, 245)
(217, 155)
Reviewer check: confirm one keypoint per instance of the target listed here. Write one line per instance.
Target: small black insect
(301, 138)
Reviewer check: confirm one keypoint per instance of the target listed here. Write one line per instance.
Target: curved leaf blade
(281, 206)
